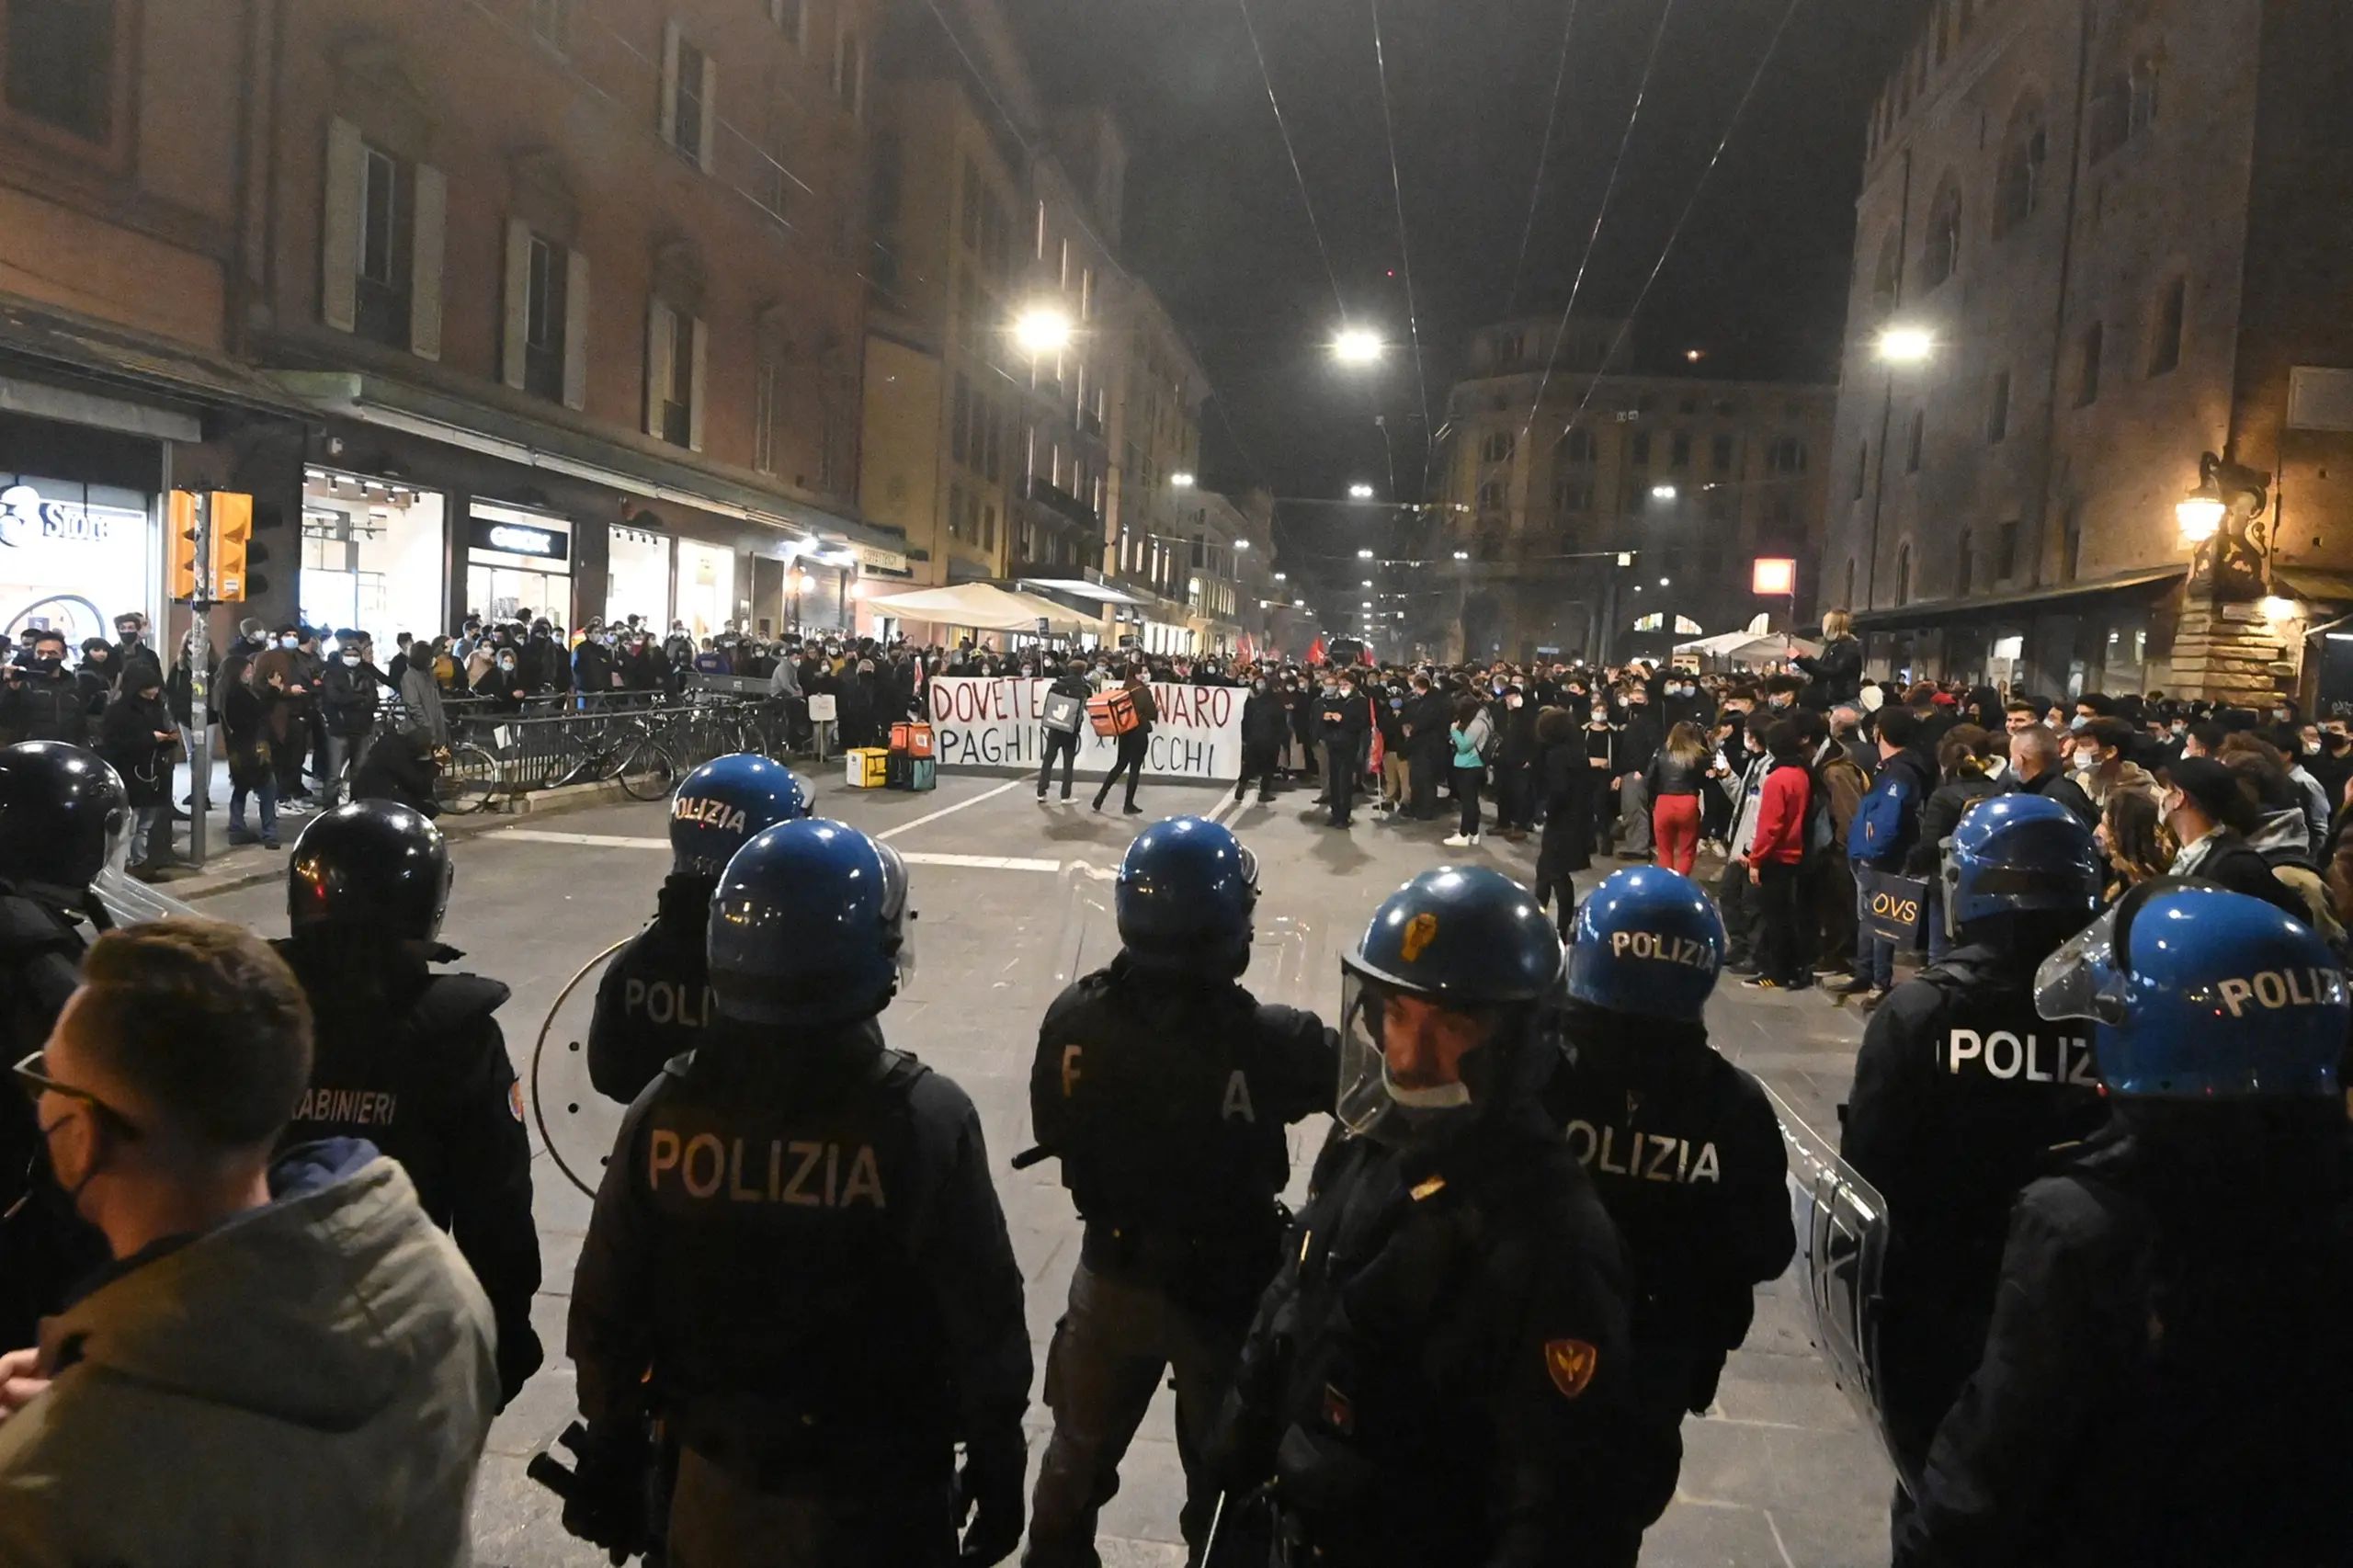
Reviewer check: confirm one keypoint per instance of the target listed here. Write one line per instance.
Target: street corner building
(2095, 425)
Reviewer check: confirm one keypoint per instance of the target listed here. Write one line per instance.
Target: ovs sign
(983, 723)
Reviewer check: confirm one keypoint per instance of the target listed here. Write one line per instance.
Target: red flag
(1316, 652)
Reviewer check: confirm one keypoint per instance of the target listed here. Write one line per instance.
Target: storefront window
(518, 565)
(373, 556)
(637, 576)
(706, 587)
(73, 556)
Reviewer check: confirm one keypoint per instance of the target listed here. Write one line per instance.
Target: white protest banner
(980, 722)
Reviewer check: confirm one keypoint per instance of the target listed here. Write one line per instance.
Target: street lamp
(1364, 555)
(1662, 492)
(1905, 346)
(1360, 492)
(1180, 481)
(1462, 555)
(1282, 576)
(1241, 544)
(1043, 331)
(1357, 345)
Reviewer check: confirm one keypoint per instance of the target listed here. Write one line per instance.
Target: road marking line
(914, 858)
(951, 810)
(1227, 811)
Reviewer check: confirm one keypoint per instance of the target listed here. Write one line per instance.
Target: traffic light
(233, 552)
(181, 516)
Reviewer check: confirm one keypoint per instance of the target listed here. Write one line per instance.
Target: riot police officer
(62, 812)
(1683, 1147)
(796, 1257)
(411, 1057)
(1960, 1093)
(1165, 1089)
(654, 1000)
(1442, 1374)
(2168, 1379)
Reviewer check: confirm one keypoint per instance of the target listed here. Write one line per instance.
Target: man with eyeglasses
(285, 1351)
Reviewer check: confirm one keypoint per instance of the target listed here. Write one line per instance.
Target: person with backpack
(1776, 858)
(1473, 734)
(1879, 840)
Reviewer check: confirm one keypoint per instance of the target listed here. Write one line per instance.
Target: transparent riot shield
(578, 1125)
(1287, 961)
(127, 900)
(1287, 954)
(1842, 1248)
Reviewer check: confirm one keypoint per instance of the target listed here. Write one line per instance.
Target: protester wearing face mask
(1266, 725)
(501, 685)
(2210, 815)
(347, 699)
(2100, 766)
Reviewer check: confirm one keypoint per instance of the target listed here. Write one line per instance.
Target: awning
(984, 607)
(1748, 648)
(556, 448)
(1101, 593)
(99, 353)
(1933, 612)
(2308, 583)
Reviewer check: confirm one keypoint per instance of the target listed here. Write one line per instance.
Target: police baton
(1036, 1155)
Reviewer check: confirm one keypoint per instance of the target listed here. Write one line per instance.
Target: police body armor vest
(389, 1077)
(793, 1332)
(45, 1246)
(2010, 1086)
(1172, 1159)
(654, 1003)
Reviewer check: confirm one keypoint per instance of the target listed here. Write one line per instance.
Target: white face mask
(2086, 761)
(1438, 1097)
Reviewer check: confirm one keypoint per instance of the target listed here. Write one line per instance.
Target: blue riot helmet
(1647, 941)
(2016, 854)
(1441, 1002)
(1184, 897)
(2199, 994)
(724, 805)
(809, 927)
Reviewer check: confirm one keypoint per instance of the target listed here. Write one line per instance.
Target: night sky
(1214, 220)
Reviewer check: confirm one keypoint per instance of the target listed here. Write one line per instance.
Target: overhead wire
(1698, 188)
(1405, 254)
(1543, 157)
(1600, 215)
(1298, 173)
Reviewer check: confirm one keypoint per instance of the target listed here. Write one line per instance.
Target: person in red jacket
(1774, 857)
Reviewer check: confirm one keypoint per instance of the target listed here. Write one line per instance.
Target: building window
(2005, 553)
(1914, 440)
(1641, 454)
(1942, 258)
(1678, 450)
(1998, 410)
(1510, 347)
(1490, 496)
(1572, 489)
(676, 347)
(2018, 185)
(2147, 73)
(551, 24)
(1720, 452)
(690, 95)
(544, 319)
(1904, 572)
(1888, 279)
(60, 65)
(766, 414)
(2165, 345)
(1786, 457)
(385, 211)
(2087, 356)
(1964, 566)
(1495, 447)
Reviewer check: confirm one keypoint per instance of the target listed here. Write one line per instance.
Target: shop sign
(516, 538)
(70, 564)
(26, 516)
(880, 560)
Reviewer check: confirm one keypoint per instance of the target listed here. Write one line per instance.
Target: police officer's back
(62, 808)
(1683, 1147)
(1165, 1089)
(409, 1057)
(654, 1000)
(1962, 1092)
(1440, 1374)
(2167, 1381)
(796, 1257)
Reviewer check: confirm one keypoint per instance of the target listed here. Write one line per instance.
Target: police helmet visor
(898, 917)
(1409, 1062)
(2083, 979)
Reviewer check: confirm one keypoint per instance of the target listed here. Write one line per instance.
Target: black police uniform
(2168, 1381)
(45, 1246)
(656, 999)
(1441, 1375)
(413, 1063)
(1685, 1153)
(1166, 1097)
(1960, 1093)
(803, 1250)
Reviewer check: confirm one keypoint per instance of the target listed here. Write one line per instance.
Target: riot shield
(578, 1125)
(129, 901)
(1287, 954)
(1842, 1249)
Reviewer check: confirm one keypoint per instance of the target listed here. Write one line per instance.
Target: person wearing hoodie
(2102, 765)
(2280, 834)
(1881, 837)
(654, 1001)
(287, 1363)
(1266, 725)
(137, 737)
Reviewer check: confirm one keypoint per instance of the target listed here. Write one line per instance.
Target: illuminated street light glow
(1906, 346)
(1241, 544)
(1360, 492)
(1282, 576)
(1180, 481)
(1662, 492)
(1042, 331)
(1462, 555)
(1357, 345)
(1364, 555)
(1662, 582)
